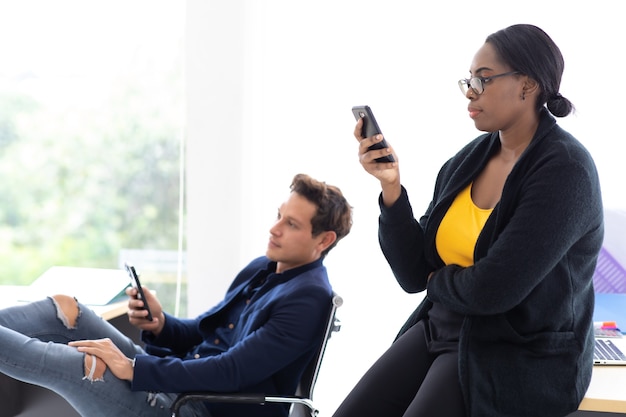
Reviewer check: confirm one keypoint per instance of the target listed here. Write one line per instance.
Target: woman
(505, 251)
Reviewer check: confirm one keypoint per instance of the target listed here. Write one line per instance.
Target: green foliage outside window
(79, 183)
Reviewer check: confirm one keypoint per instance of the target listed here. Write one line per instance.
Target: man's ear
(329, 237)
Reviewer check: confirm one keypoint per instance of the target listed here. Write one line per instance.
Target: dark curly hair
(333, 211)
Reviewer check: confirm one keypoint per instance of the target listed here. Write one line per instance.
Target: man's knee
(67, 309)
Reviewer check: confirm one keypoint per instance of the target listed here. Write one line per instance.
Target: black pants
(411, 379)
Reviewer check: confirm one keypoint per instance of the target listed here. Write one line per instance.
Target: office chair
(301, 402)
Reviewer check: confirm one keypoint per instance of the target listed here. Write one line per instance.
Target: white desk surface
(11, 294)
(97, 288)
(607, 391)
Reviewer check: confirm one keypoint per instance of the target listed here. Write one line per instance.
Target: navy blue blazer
(272, 342)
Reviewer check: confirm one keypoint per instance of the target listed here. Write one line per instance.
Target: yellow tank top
(459, 230)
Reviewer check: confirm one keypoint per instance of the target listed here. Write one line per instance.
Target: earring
(524, 95)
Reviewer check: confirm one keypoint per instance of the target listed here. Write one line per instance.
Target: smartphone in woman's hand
(370, 128)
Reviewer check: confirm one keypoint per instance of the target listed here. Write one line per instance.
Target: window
(91, 100)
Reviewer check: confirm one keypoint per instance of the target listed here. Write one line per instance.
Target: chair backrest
(309, 377)
(301, 402)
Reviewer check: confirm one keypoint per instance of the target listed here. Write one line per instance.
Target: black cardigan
(526, 342)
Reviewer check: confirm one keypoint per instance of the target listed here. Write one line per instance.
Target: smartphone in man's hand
(370, 128)
(134, 281)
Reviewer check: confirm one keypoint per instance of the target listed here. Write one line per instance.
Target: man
(259, 337)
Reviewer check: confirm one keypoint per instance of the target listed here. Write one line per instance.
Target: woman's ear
(530, 87)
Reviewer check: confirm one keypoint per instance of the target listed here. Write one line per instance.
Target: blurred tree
(79, 183)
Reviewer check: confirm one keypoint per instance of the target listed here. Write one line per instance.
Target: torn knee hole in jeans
(94, 368)
(69, 322)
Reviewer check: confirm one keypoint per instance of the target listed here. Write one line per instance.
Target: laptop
(610, 348)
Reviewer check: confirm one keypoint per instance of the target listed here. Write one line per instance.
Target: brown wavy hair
(333, 211)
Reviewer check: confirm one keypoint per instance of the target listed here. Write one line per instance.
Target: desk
(111, 311)
(607, 391)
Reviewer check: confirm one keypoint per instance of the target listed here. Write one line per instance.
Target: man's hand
(118, 363)
(137, 315)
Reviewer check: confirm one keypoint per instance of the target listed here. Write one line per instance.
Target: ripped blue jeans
(33, 349)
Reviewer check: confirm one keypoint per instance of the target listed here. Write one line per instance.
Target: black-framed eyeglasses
(477, 84)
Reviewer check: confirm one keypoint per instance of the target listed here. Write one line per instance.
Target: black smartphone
(370, 128)
(134, 281)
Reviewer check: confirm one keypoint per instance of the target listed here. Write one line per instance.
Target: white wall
(271, 84)
(215, 147)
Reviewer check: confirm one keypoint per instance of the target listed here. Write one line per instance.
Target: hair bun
(559, 105)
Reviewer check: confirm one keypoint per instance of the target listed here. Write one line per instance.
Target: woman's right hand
(388, 173)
